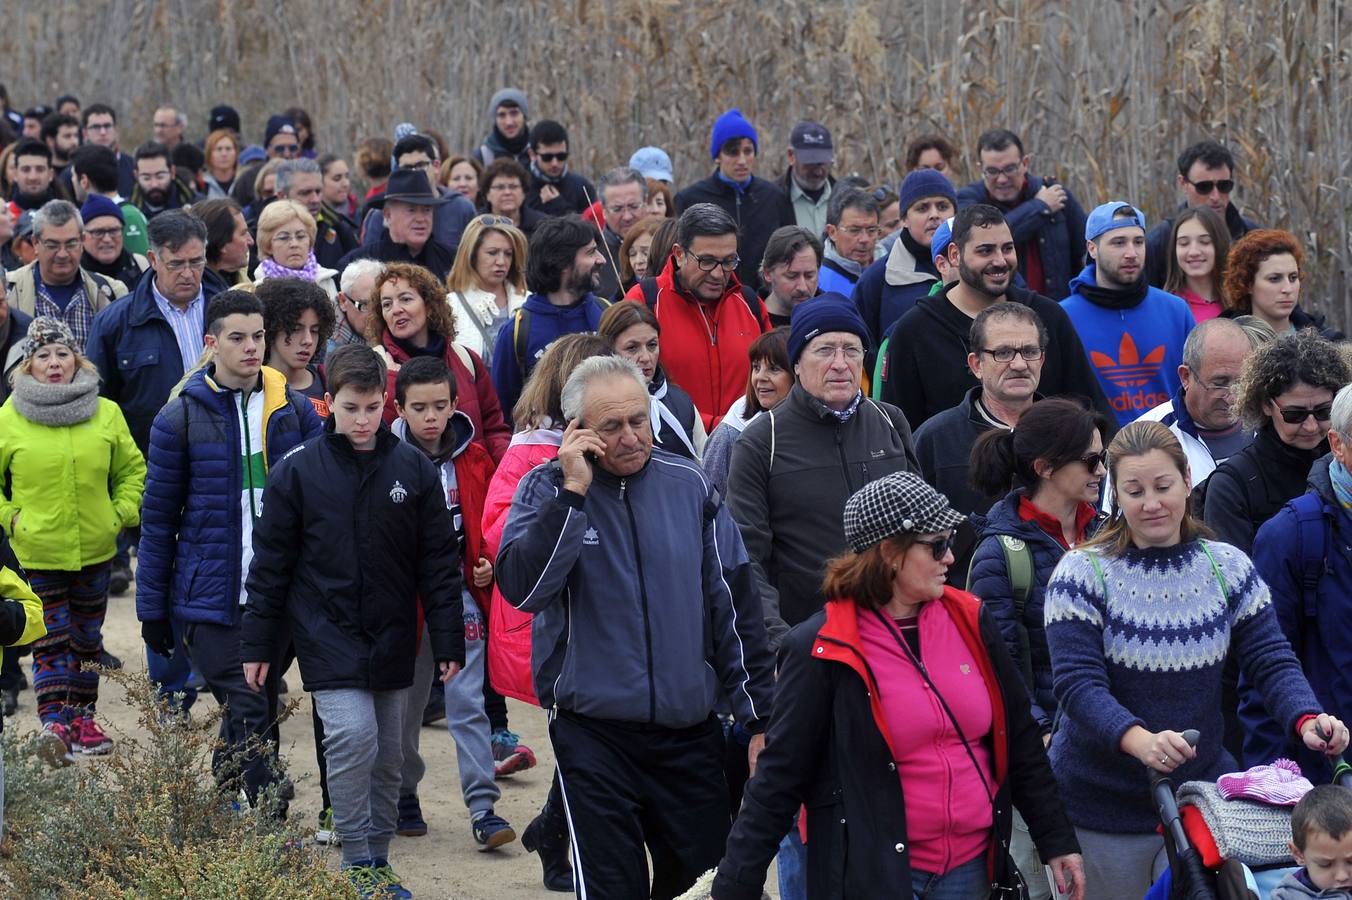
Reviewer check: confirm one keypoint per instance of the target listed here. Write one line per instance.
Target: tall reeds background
(1104, 93)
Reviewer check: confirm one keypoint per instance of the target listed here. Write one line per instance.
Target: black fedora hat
(409, 186)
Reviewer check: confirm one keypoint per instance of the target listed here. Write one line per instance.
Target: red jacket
(475, 396)
(705, 346)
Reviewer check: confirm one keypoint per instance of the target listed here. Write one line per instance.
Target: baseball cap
(652, 162)
(811, 143)
(1105, 218)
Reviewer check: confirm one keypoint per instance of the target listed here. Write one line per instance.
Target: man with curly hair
(298, 318)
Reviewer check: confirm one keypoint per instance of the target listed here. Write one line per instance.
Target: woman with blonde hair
(72, 479)
(222, 153)
(487, 283)
(286, 247)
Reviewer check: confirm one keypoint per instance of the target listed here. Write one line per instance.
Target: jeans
(792, 865)
(968, 881)
(171, 674)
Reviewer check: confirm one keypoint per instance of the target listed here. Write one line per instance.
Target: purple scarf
(273, 269)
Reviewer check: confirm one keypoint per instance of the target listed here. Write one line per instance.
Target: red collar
(1030, 512)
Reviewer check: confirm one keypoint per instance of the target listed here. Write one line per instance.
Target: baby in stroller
(1321, 842)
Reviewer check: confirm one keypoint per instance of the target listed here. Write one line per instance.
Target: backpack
(521, 336)
(1019, 567)
(752, 300)
(1316, 539)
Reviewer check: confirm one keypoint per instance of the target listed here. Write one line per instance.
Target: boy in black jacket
(355, 530)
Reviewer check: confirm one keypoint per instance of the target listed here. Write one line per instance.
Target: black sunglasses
(1296, 415)
(1206, 187)
(1092, 461)
(938, 548)
(553, 157)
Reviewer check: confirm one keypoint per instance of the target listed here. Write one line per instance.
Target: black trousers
(625, 785)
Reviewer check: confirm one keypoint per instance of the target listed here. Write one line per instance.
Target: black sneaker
(108, 660)
(119, 580)
(411, 822)
(9, 701)
(492, 831)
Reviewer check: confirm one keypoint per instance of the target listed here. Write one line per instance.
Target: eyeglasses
(1225, 186)
(358, 305)
(1006, 171)
(69, 246)
(553, 157)
(1229, 388)
(286, 149)
(494, 220)
(938, 548)
(103, 234)
(424, 165)
(101, 126)
(503, 188)
(1296, 415)
(1094, 461)
(178, 265)
(286, 237)
(851, 352)
(855, 230)
(620, 209)
(709, 263)
(1032, 353)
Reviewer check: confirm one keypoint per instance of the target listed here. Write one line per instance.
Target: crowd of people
(891, 532)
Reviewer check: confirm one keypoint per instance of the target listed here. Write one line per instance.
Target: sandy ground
(442, 864)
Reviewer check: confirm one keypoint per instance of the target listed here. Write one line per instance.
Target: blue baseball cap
(1110, 215)
(943, 236)
(652, 162)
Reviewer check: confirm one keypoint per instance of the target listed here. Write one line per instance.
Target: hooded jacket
(545, 323)
(190, 562)
(758, 209)
(705, 345)
(925, 367)
(792, 470)
(645, 603)
(1059, 236)
(348, 544)
(889, 287)
(1135, 351)
(1321, 635)
(829, 749)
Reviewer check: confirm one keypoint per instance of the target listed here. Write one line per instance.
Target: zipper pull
(623, 482)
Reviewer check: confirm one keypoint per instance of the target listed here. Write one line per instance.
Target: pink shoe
(88, 738)
(54, 745)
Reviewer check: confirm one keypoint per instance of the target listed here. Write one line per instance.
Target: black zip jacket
(347, 544)
(758, 211)
(792, 470)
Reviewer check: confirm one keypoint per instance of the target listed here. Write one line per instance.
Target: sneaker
(9, 701)
(492, 831)
(325, 834)
(411, 822)
(388, 881)
(109, 661)
(88, 738)
(510, 755)
(119, 580)
(362, 875)
(54, 745)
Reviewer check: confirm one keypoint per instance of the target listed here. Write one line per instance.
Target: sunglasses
(1296, 415)
(488, 221)
(1225, 186)
(553, 157)
(938, 548)
(1095, 461)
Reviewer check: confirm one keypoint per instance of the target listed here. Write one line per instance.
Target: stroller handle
(1163, 792)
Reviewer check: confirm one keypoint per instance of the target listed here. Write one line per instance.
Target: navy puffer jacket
(990, 581)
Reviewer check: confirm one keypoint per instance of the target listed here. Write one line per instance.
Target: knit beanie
(47, 330)
(506, 95)
(924, 183)
(732, 124)
(826, 312)
(96, 206)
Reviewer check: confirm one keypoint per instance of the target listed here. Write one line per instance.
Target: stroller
(1188, 876)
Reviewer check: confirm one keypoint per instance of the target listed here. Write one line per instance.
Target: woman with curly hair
(1286, 394)
(298, 318)
(1262, 278)
(413, 319)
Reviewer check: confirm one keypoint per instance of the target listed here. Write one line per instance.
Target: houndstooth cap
(896, 503)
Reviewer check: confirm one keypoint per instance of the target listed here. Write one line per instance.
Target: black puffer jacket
(1249, 487)
(792, 471)
(826, 750)
(758, 211)
(347, 544)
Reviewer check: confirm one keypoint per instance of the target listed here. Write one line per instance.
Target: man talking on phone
(646, 610)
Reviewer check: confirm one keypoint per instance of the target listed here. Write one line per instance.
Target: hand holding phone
(580, 450)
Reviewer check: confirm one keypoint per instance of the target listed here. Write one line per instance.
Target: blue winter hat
(923, 183)
(826, 312)
(97, 206)
(943, 236)
(252, 153)
(732, 124)
(1105, 218)
(652, 162)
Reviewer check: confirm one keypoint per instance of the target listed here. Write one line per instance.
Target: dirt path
(442, 864)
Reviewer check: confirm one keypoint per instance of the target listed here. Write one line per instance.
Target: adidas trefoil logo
(398, 493)
(591, 538)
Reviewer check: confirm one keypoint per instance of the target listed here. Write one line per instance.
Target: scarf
(503, 146)
(57, 405)
(658, 414)
(1342, 484)
(844, 414)
(436, 346)
(830, 252)
(273, 269)
(542, 178)
(739, 186)
(1114, 298)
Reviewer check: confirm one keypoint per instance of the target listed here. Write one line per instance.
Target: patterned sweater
(1144, 645)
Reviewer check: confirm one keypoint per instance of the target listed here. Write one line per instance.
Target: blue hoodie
(545, 323)
(1135, 351)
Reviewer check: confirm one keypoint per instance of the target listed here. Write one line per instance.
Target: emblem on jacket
(591, 538)
(397, 493)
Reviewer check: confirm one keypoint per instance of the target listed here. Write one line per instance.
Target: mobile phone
(588, 456)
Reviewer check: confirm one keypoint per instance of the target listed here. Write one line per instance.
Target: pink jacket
(509, 668)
